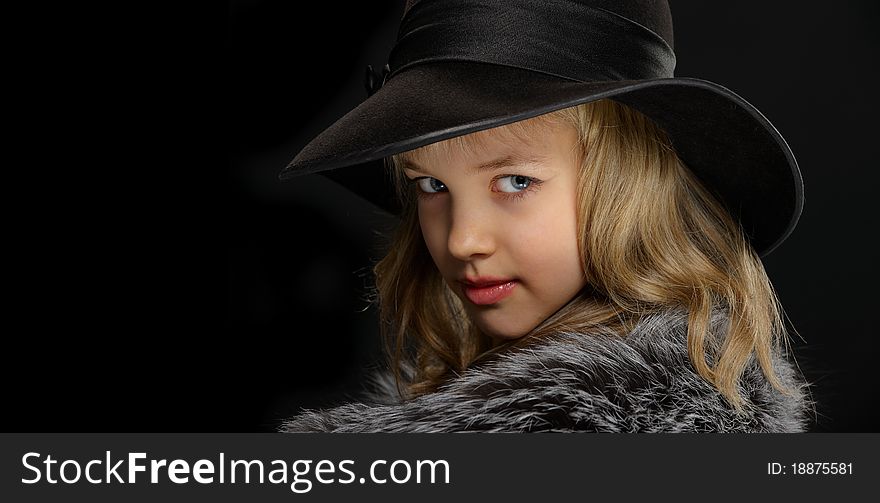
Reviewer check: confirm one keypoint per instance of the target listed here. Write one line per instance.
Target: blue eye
(514, 183)
(430, 185)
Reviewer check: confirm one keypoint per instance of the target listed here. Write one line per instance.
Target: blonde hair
(651, 237)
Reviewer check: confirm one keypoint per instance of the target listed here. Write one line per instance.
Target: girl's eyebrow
(493, 165)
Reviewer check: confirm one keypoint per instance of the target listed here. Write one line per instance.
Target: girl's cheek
(435, 239)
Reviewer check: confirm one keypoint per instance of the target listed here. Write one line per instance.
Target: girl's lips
(485, 295)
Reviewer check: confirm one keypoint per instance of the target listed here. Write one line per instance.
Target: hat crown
(585, 40)
(652, 14)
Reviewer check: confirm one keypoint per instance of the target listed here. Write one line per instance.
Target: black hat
(461, 66)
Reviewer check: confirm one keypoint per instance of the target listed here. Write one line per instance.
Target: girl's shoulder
(574, 381)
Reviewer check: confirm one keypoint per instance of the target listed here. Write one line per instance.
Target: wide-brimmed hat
(460, 66)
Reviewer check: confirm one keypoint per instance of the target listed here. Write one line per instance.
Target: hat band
(558, 37)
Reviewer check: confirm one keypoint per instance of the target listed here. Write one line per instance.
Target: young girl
(580, 234)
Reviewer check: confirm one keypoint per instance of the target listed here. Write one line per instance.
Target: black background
(160, 277)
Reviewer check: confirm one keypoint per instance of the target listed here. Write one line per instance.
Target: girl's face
(500, 224)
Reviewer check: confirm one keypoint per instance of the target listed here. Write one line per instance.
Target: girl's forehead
(523, 137)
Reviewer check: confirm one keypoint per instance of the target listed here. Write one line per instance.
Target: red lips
(486, 290)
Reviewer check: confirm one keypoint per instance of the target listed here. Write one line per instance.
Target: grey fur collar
(580, 382)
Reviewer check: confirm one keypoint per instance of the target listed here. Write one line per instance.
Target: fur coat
(570, 382)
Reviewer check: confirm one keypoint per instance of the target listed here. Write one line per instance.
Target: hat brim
(723, 139)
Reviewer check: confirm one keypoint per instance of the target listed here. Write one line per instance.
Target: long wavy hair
(651, 237)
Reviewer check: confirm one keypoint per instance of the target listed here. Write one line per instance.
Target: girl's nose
(471, 233)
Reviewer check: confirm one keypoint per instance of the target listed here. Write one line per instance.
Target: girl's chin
(501, 322)
(502, 332)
